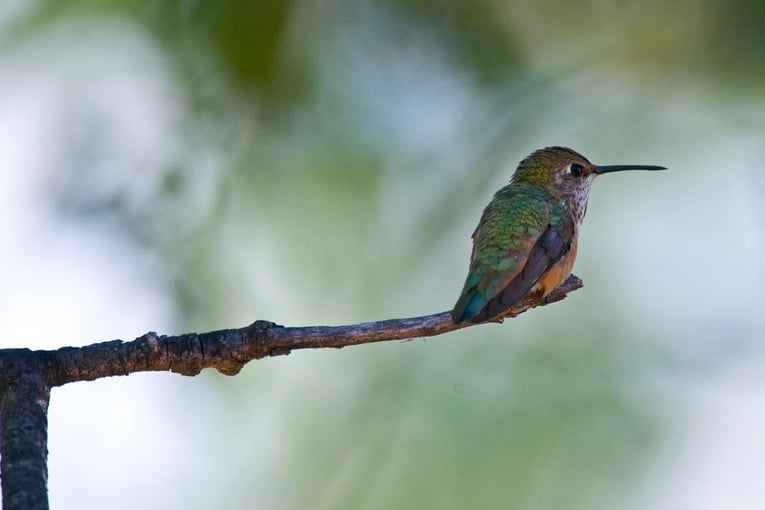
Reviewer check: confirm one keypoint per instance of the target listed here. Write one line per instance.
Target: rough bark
(24, 395)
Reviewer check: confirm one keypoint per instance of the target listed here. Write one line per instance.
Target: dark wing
(551, 246)
(522, 233)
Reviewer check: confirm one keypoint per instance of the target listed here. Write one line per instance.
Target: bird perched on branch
(526, 240)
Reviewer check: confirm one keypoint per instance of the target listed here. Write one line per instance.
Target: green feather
(509, 227)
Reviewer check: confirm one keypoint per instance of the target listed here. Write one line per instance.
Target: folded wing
(522, 234)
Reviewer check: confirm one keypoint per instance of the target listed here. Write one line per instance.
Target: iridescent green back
(509, 228)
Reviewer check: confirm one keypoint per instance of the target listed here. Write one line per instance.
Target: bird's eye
(576, 169)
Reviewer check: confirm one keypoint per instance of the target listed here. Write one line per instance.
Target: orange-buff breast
(558, 273)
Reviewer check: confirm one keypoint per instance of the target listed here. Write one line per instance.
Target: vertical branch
(24, 396)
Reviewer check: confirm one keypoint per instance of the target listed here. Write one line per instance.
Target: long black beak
(618, 168)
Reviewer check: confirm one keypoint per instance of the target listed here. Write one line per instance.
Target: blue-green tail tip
(468, 306)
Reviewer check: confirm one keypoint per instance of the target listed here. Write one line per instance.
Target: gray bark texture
(27, 376)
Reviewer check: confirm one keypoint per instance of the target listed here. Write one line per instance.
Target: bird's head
(566, 175)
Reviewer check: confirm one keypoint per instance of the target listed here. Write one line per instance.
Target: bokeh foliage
(326, 162)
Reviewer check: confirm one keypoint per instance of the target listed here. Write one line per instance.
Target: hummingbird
(526, 240)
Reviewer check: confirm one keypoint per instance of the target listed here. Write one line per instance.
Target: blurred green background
(187, 166)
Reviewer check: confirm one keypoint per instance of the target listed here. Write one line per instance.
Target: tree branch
(24, 397)
(26, 376)
(229, 350)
